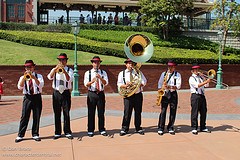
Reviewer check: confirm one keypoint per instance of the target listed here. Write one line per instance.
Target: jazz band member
(95, 80)
(31, 83)
(198, 101)
(134, 101)
(170, 86)
(62, 77)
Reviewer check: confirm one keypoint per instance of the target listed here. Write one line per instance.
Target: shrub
(66, 41)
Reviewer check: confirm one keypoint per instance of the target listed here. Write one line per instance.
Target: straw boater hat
(195, 66)
(171, 63)
(128, 60)
(29, 63)
(62, 56)
(95, 59)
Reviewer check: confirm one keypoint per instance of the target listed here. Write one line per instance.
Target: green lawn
(15, 54)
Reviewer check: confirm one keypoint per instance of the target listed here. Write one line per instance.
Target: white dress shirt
(194, 80)
(62, 77)
(127, 79)
(170, 83)
(36, 88)
(93, 86)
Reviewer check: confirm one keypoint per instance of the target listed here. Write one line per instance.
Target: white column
(35, 12)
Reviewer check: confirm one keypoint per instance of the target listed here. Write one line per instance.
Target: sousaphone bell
(138, 48)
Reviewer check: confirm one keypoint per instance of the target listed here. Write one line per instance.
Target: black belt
(95, 91)
(32, 94)
(198, 94)
(63, 91)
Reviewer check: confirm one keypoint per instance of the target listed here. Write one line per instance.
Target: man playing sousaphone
(169, 82)
(62, 77)
(31, 84)
(134, 101)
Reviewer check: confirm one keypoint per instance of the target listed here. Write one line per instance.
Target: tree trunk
(224, 40)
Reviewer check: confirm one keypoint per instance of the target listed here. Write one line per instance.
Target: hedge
(106, 30)
(65, 41)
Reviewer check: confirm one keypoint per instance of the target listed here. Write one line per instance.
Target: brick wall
(11, 75)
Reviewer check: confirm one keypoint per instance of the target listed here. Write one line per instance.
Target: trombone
(210, 74)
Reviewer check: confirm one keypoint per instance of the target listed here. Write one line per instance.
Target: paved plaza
(222, 144)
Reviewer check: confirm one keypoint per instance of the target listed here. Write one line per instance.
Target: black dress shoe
(18, 140)
(69, 137)
(90, 135)
(195, 132)
(122, 133)
(37, 139)
(172, 132)
(205, 130)
(141, 132)
(56, 137)
(104, 133)
(160, 132)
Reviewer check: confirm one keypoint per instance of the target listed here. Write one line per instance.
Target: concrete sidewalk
(223, 143)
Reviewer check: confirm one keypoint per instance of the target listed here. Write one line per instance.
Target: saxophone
(161, 91)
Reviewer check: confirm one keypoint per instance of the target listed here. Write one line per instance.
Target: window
(10, 11)
(21, 11)
(16, 1)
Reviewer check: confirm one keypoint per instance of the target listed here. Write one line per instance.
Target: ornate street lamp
(219, 72)
(75, 30)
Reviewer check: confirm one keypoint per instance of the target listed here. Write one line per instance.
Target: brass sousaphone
(138, 48)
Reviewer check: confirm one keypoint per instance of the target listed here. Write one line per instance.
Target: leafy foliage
(227, 18)
(164, 13)
(161, 54)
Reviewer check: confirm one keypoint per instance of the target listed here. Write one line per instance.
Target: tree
(227, 18)
(161, 13)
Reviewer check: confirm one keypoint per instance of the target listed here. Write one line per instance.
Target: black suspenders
(174, 73)
(90, 77)
(25, 83)
(55, 83)
(197, 81)
(124, 77)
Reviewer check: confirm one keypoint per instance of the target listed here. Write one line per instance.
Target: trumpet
(27, 76)
(60, 68)
(210, 74)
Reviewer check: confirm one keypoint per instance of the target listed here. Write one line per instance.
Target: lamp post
(219, 72)
(75, 30)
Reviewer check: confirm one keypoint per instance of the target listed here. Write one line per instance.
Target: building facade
(36, 11)
(22, 11)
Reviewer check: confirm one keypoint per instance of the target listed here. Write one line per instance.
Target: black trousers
(96, 100)
(62, 102)
(198, 104)
(173, 102)
(34, 103)
(133, 102)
